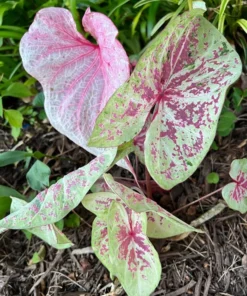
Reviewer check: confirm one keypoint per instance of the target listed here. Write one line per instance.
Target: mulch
(213, 263)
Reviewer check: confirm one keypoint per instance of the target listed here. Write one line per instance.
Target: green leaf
(213, 178)
(39, 100)
(237, 98)
(235, 193)
(38, 176)
(72, 221)
(54, 203)
(38, 256)
(226, 123)
(1, 107)
(161, 22)
(214, 146)
(60, 224)
(243, 24)
(11, 157)
(14, 117)
(5, 203)
(15, 132)
(8, 5)
(42, 115)
(7, 191)
(134, 260)
(17, 90)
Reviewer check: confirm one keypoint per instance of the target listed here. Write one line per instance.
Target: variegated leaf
(99, 203)
(182, 77)
(48, 233)
(161, 224)
(100, 186)
(78, 77)
(100, 242)
(135, 261)
(56, 202)
(235, 193)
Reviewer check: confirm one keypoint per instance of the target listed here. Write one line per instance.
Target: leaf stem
(148, 184)
(198, 200)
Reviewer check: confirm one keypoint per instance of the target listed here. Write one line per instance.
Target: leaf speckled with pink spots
(160, 223)
(52, 204)
(235, 193)
(100, 242)
(134, 259)
(182, 79)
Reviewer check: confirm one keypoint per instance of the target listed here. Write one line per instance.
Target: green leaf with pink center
(161, 224)
(135, 261)
(180, 82)
(235, 193)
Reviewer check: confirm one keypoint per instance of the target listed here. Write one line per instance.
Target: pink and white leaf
(235, 193)
(54, 203)
(181, 79)
(100, 242)
(135, 261)
(161, 224)
(78, 77)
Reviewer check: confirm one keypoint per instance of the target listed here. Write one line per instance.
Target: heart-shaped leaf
(78, 77)
(235, 193)
(161, 224)
(54, 203)
(135, 261)
(181, 79)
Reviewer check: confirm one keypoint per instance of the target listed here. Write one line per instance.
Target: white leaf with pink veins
(78, 77)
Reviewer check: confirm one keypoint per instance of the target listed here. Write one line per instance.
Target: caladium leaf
(235, 193)
(100, 186)
(99, 203)
(100, 242)
(135, 261)
(161, 224)
(54, 203)
(181, 79)
(48, 233)
(78, 77)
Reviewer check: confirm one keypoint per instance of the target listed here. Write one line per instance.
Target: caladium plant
(124, 221)
(235, 193)
(166, 113)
